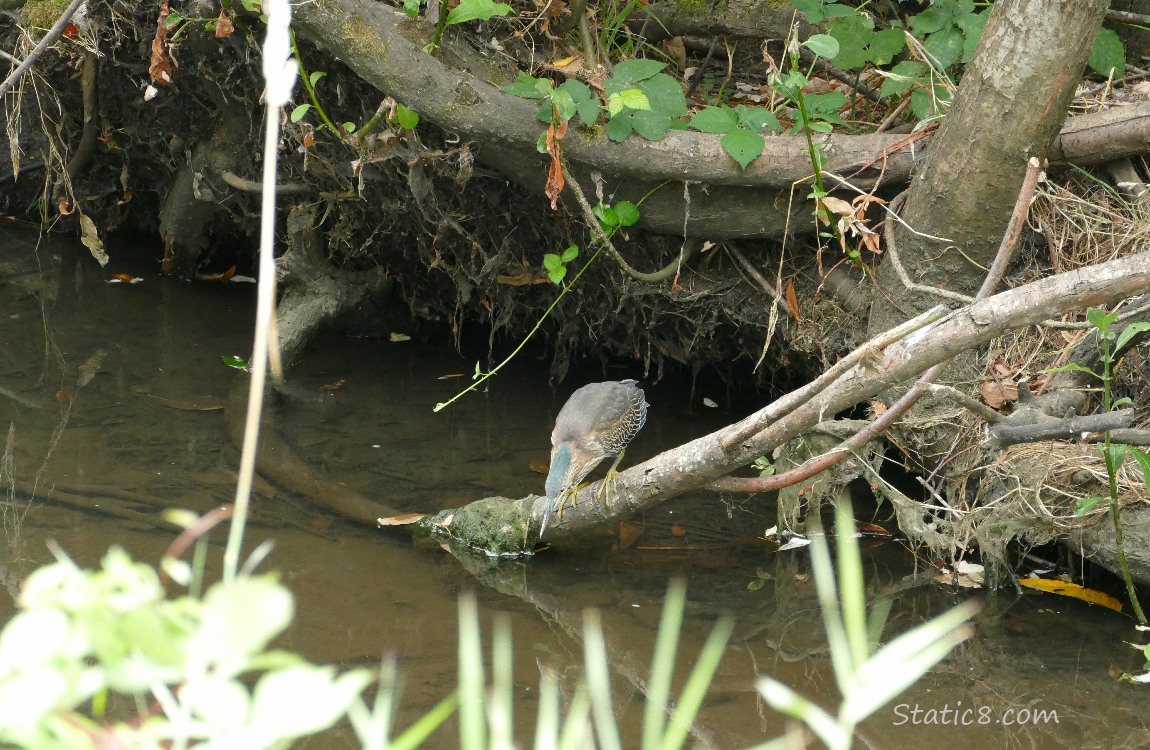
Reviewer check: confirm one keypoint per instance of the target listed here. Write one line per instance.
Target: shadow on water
(114, 395)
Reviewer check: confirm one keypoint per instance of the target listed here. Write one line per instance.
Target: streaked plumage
(598, 421)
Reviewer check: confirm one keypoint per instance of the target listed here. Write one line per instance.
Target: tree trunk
(1010, 105)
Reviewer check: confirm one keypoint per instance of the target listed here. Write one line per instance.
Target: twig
(1071, 427)
(892, 257)
(54, 32)
(1034, 174)
(869, 351)
(966, 402)
(253, 186)
(589, 215)
(820, 463)
(758, 277)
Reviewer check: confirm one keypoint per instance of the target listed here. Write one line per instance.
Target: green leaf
(756, 118)
(315, 76)
(588, 111)
(557, 274)
(1143, 460)
(541, 143)
(579, 91)
(476, 10)
(826, 105)
(527, 87)
(945, 47)
(929, 21)
(823, 45)
(899, 79)
(551, 261)
(348, 127)
(239, 618)
(606, 216)
(1101, 320)
(1073, 367)
(812, 9)
(886, 44)
(925, 105)
(651, 125)
(635, 99)
(618, 128)
(1108, 54)
(972, 26)
(570, 253)
(1086, 504)
(406, 118)
(411, 8)
(564, 104)
(235, 361)
(721, 119)
(302, 700)
(744, 146)
(630, 72)
(1130, 332)
(853, 34)
(628, 214)
(665, 95)
(298, 113)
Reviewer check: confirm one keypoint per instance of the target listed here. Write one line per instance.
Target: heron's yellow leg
(610, 482)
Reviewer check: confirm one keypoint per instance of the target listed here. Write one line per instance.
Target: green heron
(598, 421)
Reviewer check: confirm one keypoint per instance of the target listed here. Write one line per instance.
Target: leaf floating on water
(124, 278)
(965, 575)
(1062, 588)
(334, 386)
(628, 534)
(403, 519)
(397, 337)
(709, 403)
(677, 530)
(794, 542)
(235, 361)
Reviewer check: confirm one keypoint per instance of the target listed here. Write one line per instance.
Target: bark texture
(1010, 105)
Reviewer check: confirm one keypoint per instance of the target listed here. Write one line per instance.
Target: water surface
(113, 394)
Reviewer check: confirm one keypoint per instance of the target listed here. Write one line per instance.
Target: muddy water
(113, 394)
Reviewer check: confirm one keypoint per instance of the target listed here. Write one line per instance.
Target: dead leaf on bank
(1073, 590)
(160, 64)
(554, 185)
(996, 395)
(520, 279)
(565, 61)
(792, 299)
(403, 519)
(224, 26)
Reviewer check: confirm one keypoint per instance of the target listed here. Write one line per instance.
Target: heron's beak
(557, 478)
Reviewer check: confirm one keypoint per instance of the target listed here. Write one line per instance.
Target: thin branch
(54, 32)
(1034, 175)
(966, 402)
(589, 215)
(869, 353)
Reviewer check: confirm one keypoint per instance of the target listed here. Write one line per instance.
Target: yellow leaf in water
(92, 241)
(1062, 588)
(395, 337)
(403, 519)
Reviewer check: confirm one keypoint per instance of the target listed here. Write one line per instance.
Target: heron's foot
(570, 493)
(609, 487)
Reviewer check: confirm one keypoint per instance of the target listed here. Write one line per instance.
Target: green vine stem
(306, 78)
(485, 376)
